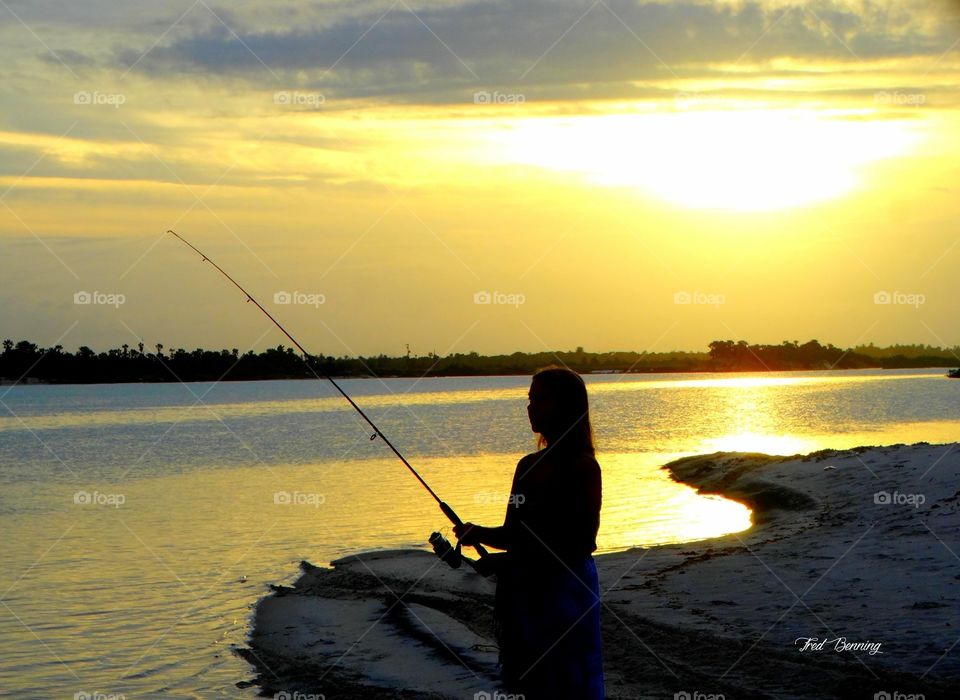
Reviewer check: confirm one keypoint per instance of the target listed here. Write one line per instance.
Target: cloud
(432, 52)
(204, 83)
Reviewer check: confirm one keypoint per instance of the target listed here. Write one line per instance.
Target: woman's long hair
(570, 429)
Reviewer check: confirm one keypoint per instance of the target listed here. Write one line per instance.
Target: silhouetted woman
(547, 604)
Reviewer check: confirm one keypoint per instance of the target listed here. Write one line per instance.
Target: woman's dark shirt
(554, 509)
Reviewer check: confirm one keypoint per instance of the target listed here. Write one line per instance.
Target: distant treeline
(27, 362)
(727, 355)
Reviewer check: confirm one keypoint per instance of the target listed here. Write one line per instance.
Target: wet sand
(856, 545)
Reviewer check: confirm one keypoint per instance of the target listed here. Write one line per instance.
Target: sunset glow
(738, 159)
(770, 154)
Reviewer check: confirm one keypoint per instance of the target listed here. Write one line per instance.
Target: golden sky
(488, 176)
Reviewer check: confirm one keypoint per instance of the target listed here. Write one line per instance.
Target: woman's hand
(468, 534)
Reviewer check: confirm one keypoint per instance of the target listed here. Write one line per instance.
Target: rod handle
(455, 519)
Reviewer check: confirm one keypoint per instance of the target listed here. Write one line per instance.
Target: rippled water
(141, 522)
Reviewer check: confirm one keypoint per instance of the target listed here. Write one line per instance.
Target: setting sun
(745, 159)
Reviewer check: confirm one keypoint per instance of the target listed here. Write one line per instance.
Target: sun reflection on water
(643, 506)
(766, 443)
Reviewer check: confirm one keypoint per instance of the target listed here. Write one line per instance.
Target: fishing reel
(447, 552)
(487, 565)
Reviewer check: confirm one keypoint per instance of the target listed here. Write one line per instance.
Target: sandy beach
(847, 585)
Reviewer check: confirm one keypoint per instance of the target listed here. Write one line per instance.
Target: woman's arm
(469, 534)
(495, 537)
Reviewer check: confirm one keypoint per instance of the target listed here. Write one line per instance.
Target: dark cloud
(69, 57)
(445, 50)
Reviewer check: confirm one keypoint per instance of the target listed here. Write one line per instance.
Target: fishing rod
(440, 545)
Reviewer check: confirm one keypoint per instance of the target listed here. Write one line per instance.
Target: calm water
(141, 522)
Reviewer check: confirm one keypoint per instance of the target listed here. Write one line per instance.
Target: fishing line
(447, 510)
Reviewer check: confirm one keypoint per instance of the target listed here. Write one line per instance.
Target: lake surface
(141, 522)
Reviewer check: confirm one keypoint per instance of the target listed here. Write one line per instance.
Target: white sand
(824, 561)
(848, 567)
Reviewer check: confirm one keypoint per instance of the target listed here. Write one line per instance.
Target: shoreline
(753, 614)
(34, 381)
